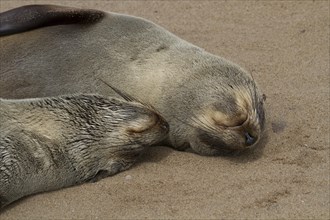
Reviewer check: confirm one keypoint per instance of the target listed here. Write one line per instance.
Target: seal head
(223, 112)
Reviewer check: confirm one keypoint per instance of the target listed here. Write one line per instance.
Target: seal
(211, 104)
(55, 142)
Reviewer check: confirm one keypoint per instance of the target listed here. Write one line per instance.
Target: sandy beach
(285, 45)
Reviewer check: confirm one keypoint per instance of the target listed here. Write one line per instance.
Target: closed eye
(225, 121)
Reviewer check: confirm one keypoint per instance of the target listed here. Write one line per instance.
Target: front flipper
(31, 17)
(112, 169)
(122, 161)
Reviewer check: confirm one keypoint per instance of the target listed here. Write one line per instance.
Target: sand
(285, 45)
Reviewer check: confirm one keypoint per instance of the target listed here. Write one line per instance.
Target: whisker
(203, 126)
(207, 126)
(128, 97)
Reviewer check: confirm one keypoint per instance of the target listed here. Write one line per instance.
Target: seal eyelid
(229, 127)
(232, 121)
(239, 124)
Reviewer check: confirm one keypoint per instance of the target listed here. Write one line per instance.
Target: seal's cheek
(206, 143)
(212, 142)
(222, 140)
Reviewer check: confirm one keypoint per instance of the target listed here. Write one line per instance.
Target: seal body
(51, 143)
(210, 103)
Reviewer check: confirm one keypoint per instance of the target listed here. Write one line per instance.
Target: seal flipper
(31, 17)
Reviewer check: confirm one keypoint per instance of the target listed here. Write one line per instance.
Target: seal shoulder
(31, 17)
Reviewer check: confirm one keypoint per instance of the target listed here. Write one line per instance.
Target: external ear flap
(31, 17)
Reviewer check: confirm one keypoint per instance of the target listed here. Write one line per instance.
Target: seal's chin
(213, 140)
(211, 144)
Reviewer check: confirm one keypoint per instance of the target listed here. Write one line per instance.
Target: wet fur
(51, 143)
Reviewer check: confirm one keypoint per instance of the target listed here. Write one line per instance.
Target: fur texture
(51, 143)
(210, 103)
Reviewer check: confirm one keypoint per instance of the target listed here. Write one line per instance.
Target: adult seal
(51, 143)
(210, 103)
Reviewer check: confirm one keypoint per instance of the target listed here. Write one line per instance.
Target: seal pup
(210, 103)
(51, 143)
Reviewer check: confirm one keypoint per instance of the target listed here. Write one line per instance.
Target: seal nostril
(249, 139)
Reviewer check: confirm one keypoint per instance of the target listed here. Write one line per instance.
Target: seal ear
(31, 17)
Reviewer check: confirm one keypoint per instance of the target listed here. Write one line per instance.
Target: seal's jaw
(217, 140)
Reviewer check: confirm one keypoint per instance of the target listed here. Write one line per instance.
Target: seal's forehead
(31, 17)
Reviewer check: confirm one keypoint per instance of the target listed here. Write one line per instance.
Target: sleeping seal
(51, 143)
(210, 103)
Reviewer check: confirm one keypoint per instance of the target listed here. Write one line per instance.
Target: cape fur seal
(51, 143)
(210, 103)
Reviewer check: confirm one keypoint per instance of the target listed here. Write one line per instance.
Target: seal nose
(249, 139)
